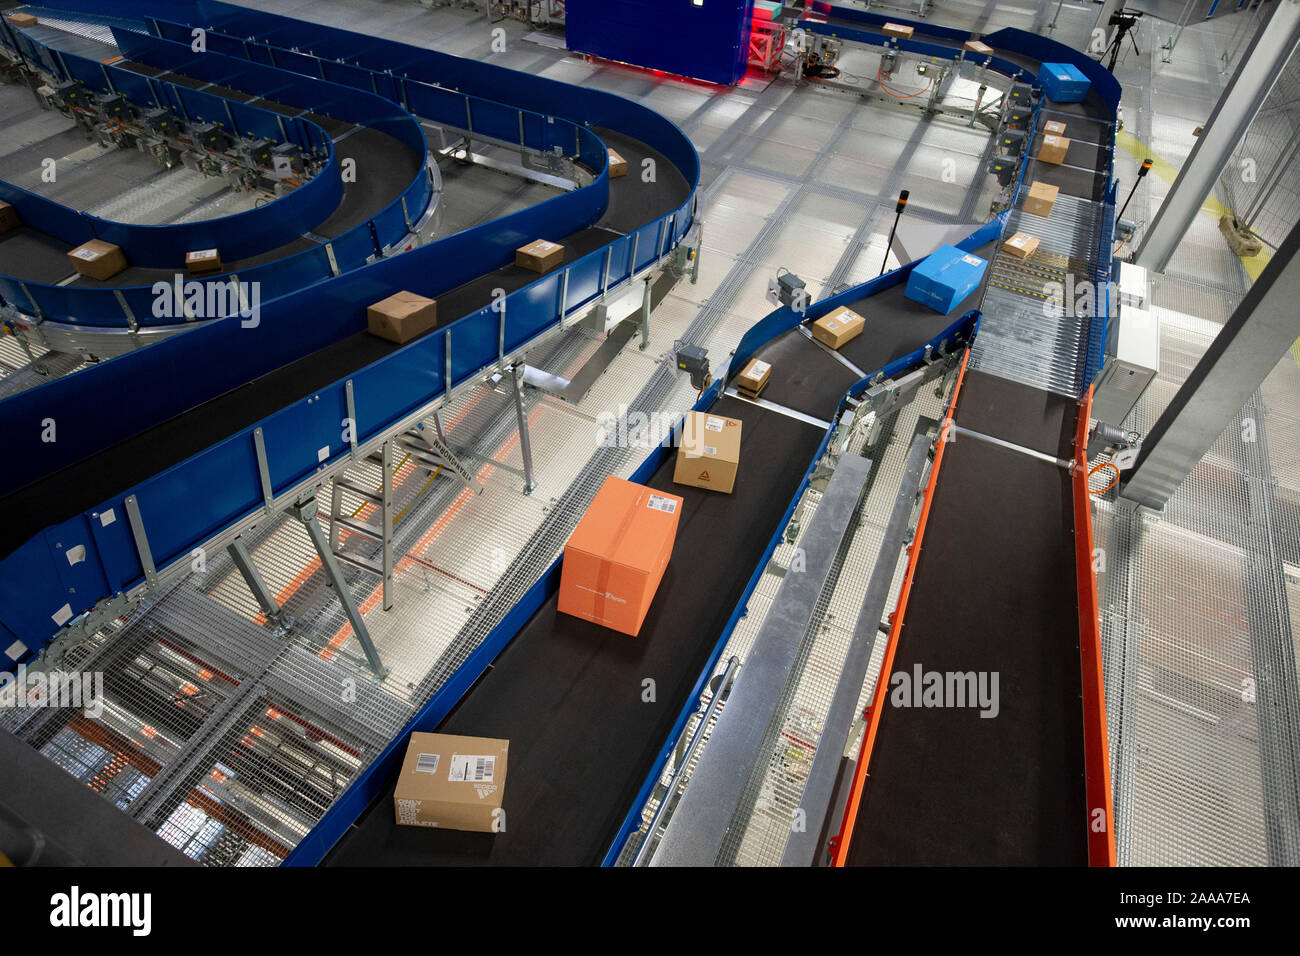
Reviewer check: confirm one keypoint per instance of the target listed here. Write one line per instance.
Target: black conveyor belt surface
(94, 479)
(994, 592)
(568, 693)
(1017, 413)
(632, 201)
(1071, 181)
(804, 377)
(1081, 153)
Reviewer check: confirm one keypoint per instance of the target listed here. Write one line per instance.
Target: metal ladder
(431, 456)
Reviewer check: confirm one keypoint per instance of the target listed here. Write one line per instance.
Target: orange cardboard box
(617, 555)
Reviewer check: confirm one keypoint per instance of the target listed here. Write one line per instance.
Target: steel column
(525, 446)
(253, 578)
(1264, 61)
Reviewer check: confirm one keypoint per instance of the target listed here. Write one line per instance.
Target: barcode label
(710, 450)
(426, 763)
(832, 325)
(472, 768)
(714, 424)
(759, 369)
(204, 254)
(660, 503)
(971, 260)
(86, 254)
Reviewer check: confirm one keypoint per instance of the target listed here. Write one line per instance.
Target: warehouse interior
(286, 542)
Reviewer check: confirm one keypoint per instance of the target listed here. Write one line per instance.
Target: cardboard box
(1063, 82)
(402, 317)
(897, 30)
(617, 165)
(98, 259)
(975, 46)
(540, 255)
(1054, 128)
(944, 278)
(617, 555)
(22, 20)
(754, 378)
(1053, 150)
(1041, 198)
(709, 455)
(9, 218)
(841, 326)
(203, 262)
(453, 783)
(1022, 245)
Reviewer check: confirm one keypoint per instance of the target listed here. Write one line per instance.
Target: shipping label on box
(617, 165)
(754, 378)
(1021, 245)
(1054, 128)
(1053, 149)
(97, 259)
(540, 256)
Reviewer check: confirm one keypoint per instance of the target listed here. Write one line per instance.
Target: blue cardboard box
(944, 278)
(1063, 82)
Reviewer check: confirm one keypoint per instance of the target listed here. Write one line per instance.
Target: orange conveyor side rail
(1096, 746)
(839, 845)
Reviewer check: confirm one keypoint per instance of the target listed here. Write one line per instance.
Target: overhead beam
(1259, 333)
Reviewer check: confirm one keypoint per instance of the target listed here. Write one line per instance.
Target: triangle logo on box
(704, 476)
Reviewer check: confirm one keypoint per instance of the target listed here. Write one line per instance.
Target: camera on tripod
(1123, 22)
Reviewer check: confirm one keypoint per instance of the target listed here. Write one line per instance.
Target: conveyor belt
(993, 592)
(564, 692)
(92, 480)
(1016, 413)
(567, 693)
(385, 166)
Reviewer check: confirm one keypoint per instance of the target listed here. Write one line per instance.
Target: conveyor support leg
(525, 446)
(253, 578)
(306, 513)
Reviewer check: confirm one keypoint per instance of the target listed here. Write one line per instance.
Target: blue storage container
(1063, 82)
(944, 278)
(702, 40)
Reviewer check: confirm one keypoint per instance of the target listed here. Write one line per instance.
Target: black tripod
(1124, 24)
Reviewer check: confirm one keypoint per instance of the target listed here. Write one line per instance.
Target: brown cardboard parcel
(451, 782)
(1054, 128)
(540, 255)
(9, 218)
(975, 46)
(709, 455)
(1053, 150)
(754, 378)
(401, 317)
(840, 326)
(98, 259)
(1041, 198)
(202, 262)
(898, 30)
(617, 165)
(1022, 245)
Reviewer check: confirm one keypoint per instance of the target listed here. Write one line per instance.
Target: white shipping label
(832, 325)
(710, 450)
(971, 260)
(660, 503)
(87, 254)
(204, 254)
(714, 424)
(474, 768)
(759, 369)
(426, 763)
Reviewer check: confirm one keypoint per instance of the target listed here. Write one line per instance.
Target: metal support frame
(521, 414)
(253, 578)
(699, 825)
(1241, 356)
(1266, 58)
(305, 512)
(645, 313)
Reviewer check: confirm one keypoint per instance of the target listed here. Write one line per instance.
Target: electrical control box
(113, 106)
(158, 121)
(209, 136)
(1132, 367)
(70, 93)
(259, 152)
(286, 160)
